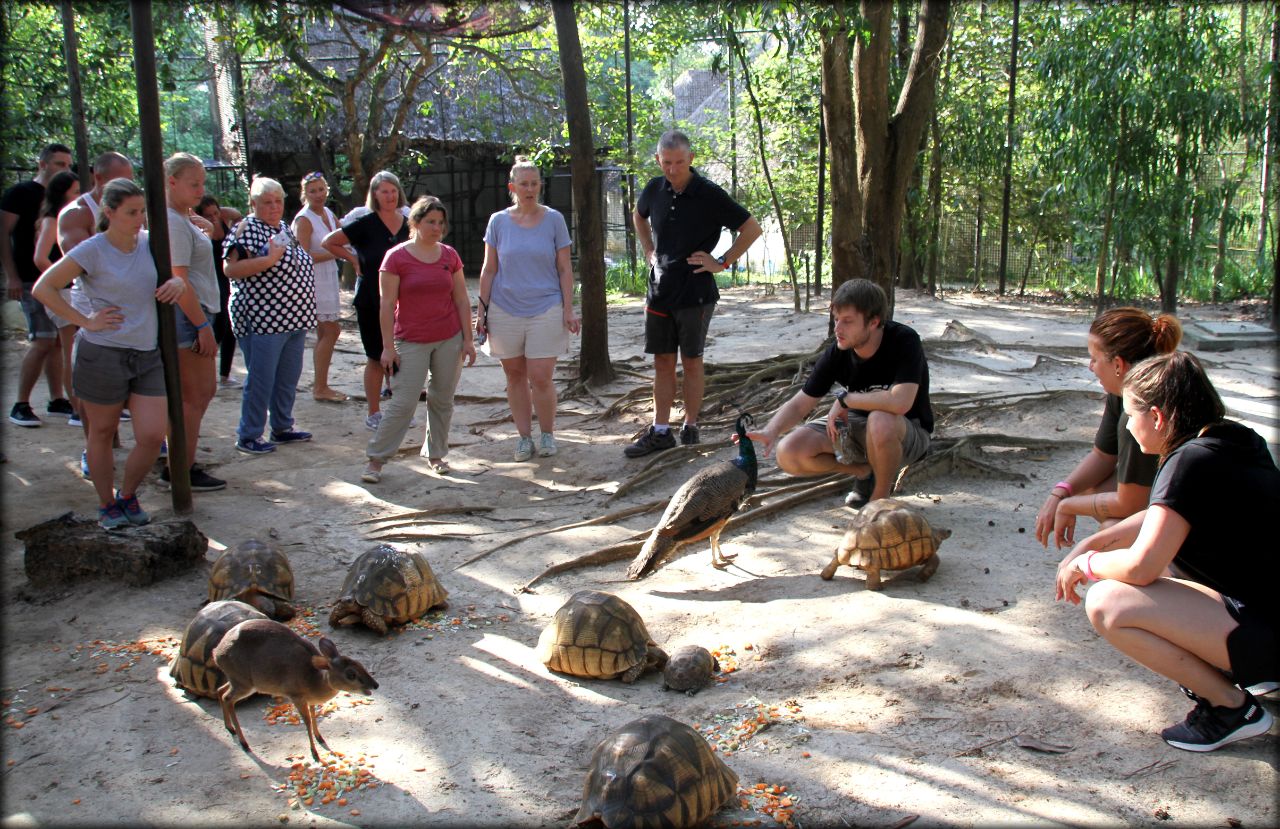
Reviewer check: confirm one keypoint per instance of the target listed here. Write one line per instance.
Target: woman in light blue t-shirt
(526, 304)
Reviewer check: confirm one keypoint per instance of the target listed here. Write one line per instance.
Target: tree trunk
(71, 51)
(1108, 215)
(837, 111)
(935, 188)
(1173, 261)
(819, 236)
(594, 365)
(1008, 154)
(977, 242)
(1269, 154)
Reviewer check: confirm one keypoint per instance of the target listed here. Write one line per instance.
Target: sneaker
(84, 466)
(861, 492)
(75, 420)
(125, 417)
(22, 415)
(164, 448)
(59, 407)
(1210, 727)
(111, 517)
(689, 435)
(371, 422)
(524, 449)
(290, 436)
(651, 441)
(370, 475)
(547, 445)
(1259, 689)
(257, 446)
(201, 481)
(229, 383)
(132, 509)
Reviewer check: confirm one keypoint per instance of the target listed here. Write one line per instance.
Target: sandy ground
(888, 704)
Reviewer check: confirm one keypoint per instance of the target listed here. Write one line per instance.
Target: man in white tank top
(79, 220)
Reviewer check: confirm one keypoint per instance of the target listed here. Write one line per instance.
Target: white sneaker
(371, 422)
(229, 383)
(1261, 688)
(547, 445)
(524, 449)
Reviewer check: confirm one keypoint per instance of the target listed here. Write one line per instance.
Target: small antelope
(263, 656)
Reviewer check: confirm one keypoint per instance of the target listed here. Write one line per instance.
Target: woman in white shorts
(311, 225)
(526, 304)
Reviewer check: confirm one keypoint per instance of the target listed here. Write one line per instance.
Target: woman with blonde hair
(372, 235)
(312, 224)
(426, 328)
(117, 356)
(1215, 630)
(526, 304)
(1114, 479)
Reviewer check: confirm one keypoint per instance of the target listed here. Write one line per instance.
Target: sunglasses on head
(310, 177)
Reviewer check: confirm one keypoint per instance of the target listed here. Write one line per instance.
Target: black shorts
(1254, 646)
(682, 329)
(370, 324)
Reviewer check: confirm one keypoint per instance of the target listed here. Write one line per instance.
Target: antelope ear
(327, 647)
(320, 663)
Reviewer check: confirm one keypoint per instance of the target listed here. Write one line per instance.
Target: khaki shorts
(532, 337)
(915, 443)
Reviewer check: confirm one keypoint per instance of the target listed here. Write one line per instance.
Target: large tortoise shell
(599, 636)
(257, 573)
(689, 669)
(193, 669)
(395, 586)
(655, 771)
(890, 535)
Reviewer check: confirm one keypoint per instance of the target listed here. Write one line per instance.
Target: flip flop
(332, 397)
(438, 466)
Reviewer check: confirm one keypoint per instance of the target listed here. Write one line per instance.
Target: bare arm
(704, 262)
(791, 413)
(237, 268)
(487, 272)
(7, 223)
(44, 243)
(75, 224)
(644, 234)
(389, 291)
(897, 399)
(47, 290)
(336, 243)
(462, 302)
(302, 229)
(564, 265)
(1160, 535)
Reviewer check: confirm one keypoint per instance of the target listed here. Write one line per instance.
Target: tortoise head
(655, 659)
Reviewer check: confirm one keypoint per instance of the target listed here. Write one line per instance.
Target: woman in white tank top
(311, 225)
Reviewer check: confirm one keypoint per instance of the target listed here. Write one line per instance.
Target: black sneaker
(59, 407)
(651, 441)
(201, 481)
(1210, 727)
(861, 492)
(689, 435)
(22, 415)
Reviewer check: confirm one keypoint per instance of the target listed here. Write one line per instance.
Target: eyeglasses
(310, 177)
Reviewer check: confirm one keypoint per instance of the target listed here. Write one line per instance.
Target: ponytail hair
(1133, 335)
(178, 163)
(522, 162)
(113, 195)
(1176, 383)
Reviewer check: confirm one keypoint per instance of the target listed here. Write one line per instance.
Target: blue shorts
(187, 333)
(39, 325)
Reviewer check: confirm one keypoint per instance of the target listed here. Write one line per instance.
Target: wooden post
(144, 65)
(71, 51)
(629, 180)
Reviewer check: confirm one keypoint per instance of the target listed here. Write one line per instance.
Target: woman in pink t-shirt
(426, 328)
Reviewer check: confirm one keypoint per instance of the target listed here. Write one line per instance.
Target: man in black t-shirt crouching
(880, 421)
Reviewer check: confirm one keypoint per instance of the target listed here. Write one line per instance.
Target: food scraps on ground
(312, 785)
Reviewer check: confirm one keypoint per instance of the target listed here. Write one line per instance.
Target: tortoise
(599, 636)
(384, 587)
(888, 535)
(193, 669)
(654, 771)
(690, 669)
(256, 573)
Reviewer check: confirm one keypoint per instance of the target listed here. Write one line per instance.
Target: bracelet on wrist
(1087, 569)
(1066, 487)
(204, 324)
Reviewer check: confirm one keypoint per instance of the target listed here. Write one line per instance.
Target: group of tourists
(1178, 491)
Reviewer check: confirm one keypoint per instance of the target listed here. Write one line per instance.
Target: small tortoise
(599, 636)
(690, 669)
(193, 669)
(655, 771)
(385, 586)
(888, 535)
(256, 573)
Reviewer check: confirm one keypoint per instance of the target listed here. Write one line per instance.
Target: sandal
(371, 475)
(438, 466)
(333, 396)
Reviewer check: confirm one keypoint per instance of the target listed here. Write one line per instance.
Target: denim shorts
(107, 376)
(187, 333)
(39, 325)
(681, 329)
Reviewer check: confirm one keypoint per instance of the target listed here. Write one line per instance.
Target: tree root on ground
(425, 513)
(949, 406)
(966, 456)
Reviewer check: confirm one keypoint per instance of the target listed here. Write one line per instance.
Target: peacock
(701, 508)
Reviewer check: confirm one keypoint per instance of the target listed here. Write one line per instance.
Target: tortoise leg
(373, 620)
(830, 570)
(873, 578)
(929, 568)
(633, 673)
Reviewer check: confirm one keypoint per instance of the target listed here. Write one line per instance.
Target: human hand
(105, 319)
(172, 288)
(1070, 576)
(764, 437)
(275, 252)
(1064, 528)
(571, 322)
(205, 345)
(469, 353)
(705, 262)
(390, 360)
(200, 222)
(1044, 519)
(837, 415)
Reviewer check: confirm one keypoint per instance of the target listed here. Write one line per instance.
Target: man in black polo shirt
(880, 421)
(678, 220)
(19, 212)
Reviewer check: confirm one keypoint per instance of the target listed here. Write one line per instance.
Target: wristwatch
(720, 259)
(840, 398)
